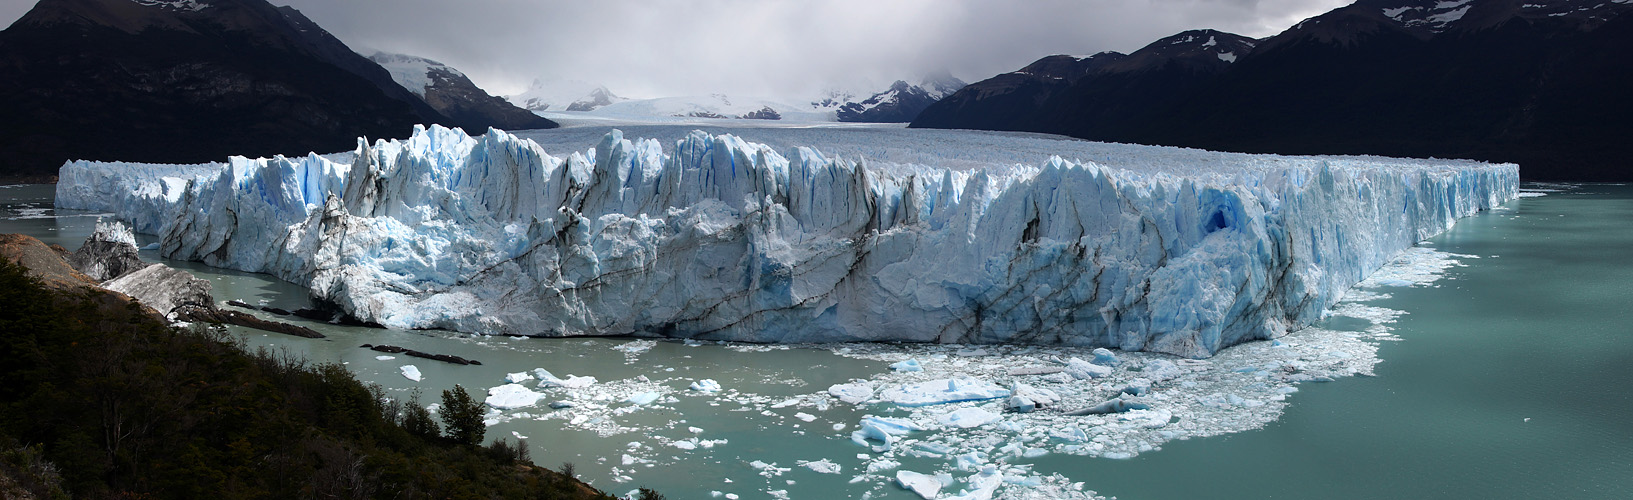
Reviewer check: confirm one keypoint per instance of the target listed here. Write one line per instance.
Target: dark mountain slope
(185, 81)
(1541, 83)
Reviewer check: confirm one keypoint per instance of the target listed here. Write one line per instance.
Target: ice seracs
(715, 237)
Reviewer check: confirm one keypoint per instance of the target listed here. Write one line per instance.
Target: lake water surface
(1510, 377)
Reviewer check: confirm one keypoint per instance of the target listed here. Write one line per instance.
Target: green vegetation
(98, 400)
(462, 415)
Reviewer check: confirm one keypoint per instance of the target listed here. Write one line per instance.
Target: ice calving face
(1144, 249)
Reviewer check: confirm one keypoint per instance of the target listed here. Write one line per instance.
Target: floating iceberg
(965, 418)
(713, 237)
(925, 485)
(939, 391)
(705, 385)
(511, 396)
(547, 379)
(853, 393)
(642, 399)
(411, 372)
(909, 365)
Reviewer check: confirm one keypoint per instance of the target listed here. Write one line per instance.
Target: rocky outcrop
(109, 256)
(446, 358)
(172, 292)
(109, 253)
(43, 262)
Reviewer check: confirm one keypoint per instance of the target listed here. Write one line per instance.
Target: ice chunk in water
(643, 399)
(965, 418)
(1111, 406)
(823, 466)
(981, 486)
(411, 372)
(1083, 370)
(910, 365)
(511, 396)
(1104, 356)
(706, 385)
(854, 393)
(924, 484)
(938, 391)
(1162, 370)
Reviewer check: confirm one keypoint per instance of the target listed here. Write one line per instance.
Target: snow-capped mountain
(1538, 82)
(712, 106)
(453, 94)
(897, 104)
(901, 102)
(565, 95)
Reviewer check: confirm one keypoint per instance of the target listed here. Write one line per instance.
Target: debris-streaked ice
(711, 236)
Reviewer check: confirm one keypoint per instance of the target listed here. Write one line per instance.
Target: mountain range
(197, 80)
(899, 103)
(1542, 83)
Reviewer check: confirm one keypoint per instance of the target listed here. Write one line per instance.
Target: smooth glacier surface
(715, 237)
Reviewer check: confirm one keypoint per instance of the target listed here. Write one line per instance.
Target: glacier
(714, 237)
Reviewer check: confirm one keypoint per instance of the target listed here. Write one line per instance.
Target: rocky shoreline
(109, 260)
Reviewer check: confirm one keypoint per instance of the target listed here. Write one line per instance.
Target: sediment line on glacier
(725, 239)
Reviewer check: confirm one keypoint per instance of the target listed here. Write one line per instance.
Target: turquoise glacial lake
(1511, 377)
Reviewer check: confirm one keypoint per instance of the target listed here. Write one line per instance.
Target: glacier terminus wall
(714, 237)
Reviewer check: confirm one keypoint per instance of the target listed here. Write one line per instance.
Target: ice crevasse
(719, 238)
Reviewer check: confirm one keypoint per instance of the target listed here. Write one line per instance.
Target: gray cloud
(768, 47)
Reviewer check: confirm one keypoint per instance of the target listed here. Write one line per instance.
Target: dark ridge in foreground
(197, 416)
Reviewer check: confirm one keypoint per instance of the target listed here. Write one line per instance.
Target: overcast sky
(769, 48)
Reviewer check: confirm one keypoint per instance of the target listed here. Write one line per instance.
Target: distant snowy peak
(707, 106)
(597, 98)
(1434, 16)
(414, 73)
(1425, 19)
(453, 94)
(935, 86)
(1198, 50)
(187, 5)
(902, 102)
(943, 84)
(565, 95)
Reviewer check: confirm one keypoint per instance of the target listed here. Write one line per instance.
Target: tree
(648, 494)
(417, 420)
(462, 416)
